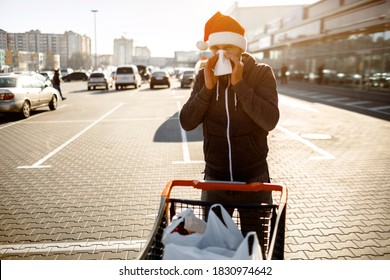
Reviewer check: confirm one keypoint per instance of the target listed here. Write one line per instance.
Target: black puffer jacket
(235, 140)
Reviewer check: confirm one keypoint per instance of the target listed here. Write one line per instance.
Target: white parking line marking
(380, 108)
(184, 144)
(323, 154)
(337, 99)
(71, 246)
(39, 163)
(321, 96)
(355, 103)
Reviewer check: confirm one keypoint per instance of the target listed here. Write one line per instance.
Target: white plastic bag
(182, 252)
(249, 248)
(221, 240)
(191, 223)
(221, 233)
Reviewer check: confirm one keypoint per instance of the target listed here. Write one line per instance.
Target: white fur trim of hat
(227, 38)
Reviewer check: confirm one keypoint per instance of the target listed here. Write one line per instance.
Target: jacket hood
(249, 62)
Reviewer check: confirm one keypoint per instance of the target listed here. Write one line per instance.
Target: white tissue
(223, 65)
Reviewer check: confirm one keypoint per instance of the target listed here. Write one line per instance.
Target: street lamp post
(94, 20)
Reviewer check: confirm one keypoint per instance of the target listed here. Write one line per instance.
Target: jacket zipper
(228, 130)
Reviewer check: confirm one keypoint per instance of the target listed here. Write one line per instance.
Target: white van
(127, 75)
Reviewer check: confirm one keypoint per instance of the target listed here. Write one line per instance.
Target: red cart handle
(226, 186)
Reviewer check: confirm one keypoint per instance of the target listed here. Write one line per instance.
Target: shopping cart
(271, 235)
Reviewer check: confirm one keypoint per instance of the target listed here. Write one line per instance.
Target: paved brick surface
(97, 197)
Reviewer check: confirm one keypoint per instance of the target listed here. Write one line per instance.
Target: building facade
(141, 55)
(340, 42)
(45, 47)
(123, 51)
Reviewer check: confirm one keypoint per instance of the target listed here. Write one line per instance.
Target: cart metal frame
(272, 241)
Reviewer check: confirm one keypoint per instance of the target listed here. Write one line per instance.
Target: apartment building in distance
(123, 51)
(34, 50)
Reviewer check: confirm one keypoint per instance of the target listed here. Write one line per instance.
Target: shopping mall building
(340, 42)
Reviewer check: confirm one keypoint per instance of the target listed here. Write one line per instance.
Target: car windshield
(97, 75)
(6, 82)
(189, 72)
(125, 70)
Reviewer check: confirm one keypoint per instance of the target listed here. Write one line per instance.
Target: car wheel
(53, 103)
(151, 86)
(89, 88)
(107, 86)
(26, 109)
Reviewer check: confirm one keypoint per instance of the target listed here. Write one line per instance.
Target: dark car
(75, 76)
(160, 78)
(381, 80)
(187, 78)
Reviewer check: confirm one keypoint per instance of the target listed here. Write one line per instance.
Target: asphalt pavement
(368, 101)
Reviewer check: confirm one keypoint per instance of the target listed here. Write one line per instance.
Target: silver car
(99, 79)
(25, 92)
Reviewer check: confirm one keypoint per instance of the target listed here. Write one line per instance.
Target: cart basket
(270, 230)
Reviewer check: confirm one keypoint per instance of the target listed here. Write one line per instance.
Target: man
(56, 82)
(284, 70)
(237, 112)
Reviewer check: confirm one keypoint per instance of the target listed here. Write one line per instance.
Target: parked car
(297, 75)
(76, 76)
(200, 65)
(126, 76)
(99, 79)
(381, 80)
(187, 78)
(47, 74)
(160, 78)
(65, 72)
(41, 77)
(329, 76)
(25, 92)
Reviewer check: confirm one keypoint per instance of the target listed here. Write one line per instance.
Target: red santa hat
(223, 30)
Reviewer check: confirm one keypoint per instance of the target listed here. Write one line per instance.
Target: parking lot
(84, 181)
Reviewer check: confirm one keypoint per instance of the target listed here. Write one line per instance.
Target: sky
(162, 26)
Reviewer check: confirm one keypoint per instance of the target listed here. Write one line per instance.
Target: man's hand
(235, 77)
(238, 69)
(209, 78)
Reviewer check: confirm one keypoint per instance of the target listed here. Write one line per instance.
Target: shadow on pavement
(170, 131)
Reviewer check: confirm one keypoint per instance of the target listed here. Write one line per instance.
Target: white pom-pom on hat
(202, 45)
